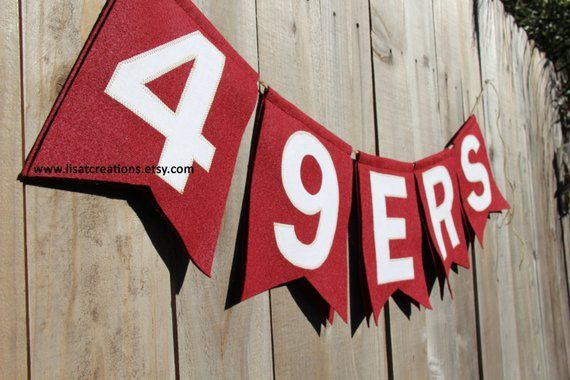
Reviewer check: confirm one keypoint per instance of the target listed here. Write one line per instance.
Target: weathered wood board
(13, 336)
(99, 292)
(317, 55)
(522, 277)
(459, 84)
(214, 342)
(408, 129)
(544, 135)
(424, 58)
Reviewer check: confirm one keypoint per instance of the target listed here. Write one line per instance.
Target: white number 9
(325, 202)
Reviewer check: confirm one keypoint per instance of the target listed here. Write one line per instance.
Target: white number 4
(182, 129)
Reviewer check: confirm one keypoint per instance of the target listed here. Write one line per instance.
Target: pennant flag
(439, 195)
(391, 230)
(480, 194)
(158, 99)
(300, 202)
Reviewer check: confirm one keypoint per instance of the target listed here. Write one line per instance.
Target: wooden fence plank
(317, 54)
(565, 223)
(535, 333)
(562, 166)
(512, 280)
(494, 277)
(13, 339)
(397, 102)
(452, 327)
(544, 138)
(518, 319)
(396, 45)
(411, 93)
(213, 342)
(99, 293)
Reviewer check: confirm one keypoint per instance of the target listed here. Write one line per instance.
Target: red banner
(479, 192)
(439, 193)
(300, 203)
(157, 98)
(391, 230)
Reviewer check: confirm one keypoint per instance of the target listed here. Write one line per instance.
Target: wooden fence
(88, 290)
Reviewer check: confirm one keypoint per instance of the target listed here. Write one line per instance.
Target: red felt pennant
(299, 206)
(480, 194)
(391, 230)
(156, 85)
(439, 193)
